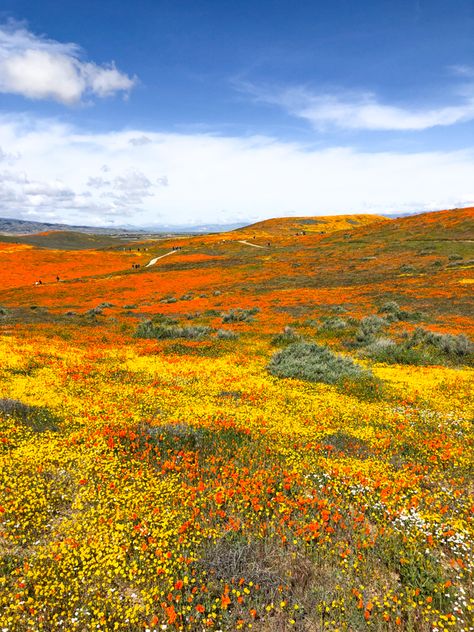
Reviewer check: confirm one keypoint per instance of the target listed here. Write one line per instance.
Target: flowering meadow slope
(156, 475)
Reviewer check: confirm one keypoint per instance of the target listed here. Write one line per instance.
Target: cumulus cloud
(198, 178)
(39, 68)
(364, 111)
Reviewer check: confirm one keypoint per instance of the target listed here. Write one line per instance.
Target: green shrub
(314, 363)
(239, 315)
(148, 329)
(94, 311)
(453, 346)
(393, 312)
(286, 337)
(391, 308)
(333, 323)
(422, 347)
(461, 262)
(226, 334)
(369, 327)
(365, 386)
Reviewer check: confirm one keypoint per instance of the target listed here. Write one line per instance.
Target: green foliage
(333, 323)
(239, 315)
(226, 334)
(149, 329)
(365, 386)
(453, 346)
(314, 363)
(286, 337)
(369, 327)
(423, 347)
(393, 313)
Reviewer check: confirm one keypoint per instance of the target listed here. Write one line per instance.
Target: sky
(192, 112)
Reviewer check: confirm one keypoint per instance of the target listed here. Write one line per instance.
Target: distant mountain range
(12, 226)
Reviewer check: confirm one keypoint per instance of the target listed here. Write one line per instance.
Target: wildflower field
(269, 429)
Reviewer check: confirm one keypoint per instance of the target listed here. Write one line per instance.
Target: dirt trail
(248, 243)
(153, 261)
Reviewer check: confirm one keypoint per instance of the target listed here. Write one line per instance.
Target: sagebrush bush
(95, 311)
(286, 337)
(333, 323)
(454, 346)
(226, 334)
(390, 352)
(422, 347)
(392, 309)
(148, 329)
(392, 312)
(338, 309)
(314, 363)
(239, 315)
(369, 328)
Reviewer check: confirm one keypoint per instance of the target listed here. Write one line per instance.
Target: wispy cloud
(363, 110)
(39, 68)
(65, 174)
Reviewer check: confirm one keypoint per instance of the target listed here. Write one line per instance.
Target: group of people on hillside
(40, 282)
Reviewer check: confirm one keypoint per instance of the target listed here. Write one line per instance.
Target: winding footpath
(153, 261)
(247, 243)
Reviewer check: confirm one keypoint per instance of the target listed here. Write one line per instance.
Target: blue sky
(189, 112)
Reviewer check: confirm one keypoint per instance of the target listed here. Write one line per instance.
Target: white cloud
(363, 110)
(40, 68)
(183, 179)
(140, 140)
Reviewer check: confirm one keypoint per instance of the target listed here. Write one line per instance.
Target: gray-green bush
(422, 347)
(239, 315)
(286, 337)
(226, 334)
(314, 363)
(333, 323)
(149, 329)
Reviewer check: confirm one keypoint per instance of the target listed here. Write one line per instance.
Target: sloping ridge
(452, 224)
(318, 224)
(63, 240)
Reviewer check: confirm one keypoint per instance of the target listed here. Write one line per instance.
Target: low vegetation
(306, 465)
(149, 329)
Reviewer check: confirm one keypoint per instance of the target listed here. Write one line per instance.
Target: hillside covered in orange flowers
(265, 429)
(357, 261)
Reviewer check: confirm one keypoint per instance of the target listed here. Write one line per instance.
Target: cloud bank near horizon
(363, 110)
(53, 172)
(38, 68)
